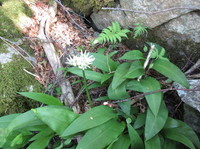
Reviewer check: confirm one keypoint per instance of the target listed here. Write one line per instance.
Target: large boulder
(149, 13)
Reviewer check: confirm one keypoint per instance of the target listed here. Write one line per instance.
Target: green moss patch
(14, 79)
(86, 7)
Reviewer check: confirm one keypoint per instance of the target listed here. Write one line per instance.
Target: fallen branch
(152, 92)
(67, 96)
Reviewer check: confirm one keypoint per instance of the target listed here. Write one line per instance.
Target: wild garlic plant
(82, 61)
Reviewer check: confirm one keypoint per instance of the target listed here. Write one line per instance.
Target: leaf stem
(86, 89)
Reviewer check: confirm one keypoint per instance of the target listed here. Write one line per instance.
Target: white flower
(81, 61)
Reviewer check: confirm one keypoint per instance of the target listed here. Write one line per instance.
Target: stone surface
(191, 98)
(191, 101)
(192, 118)
(183, 28)
(104, 18)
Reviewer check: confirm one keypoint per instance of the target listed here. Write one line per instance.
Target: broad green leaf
(182, 128)
(140, 121)
(40, 143)
(101, 50)
(105, 77)
(90, 119)
(119, 75)
(57, 118)
(90, 75)
(154, 123)
(24, 120)
(118, 93)
(126, 106)
(41, 97)
(134, 85)
(153, 143)
(112, 53)
(20, 140)
(171, 71)
(136, 141)
(132, 55)
(95, 85)
(123, 142)
(101, 136)
(169, 144)
(136, 69)
(5, 120)
(146, 85)
(173, 135)
(105, 63)
(44, 133)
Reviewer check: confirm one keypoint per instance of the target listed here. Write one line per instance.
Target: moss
(3, 48)
(13, 79)
(10, 13)
(86, 7)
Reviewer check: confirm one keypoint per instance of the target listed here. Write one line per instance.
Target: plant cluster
(101, 127)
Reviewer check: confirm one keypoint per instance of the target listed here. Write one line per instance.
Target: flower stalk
(86, 89)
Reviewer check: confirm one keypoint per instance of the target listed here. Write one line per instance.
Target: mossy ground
(13, 79)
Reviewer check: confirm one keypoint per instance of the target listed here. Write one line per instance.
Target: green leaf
(119, 74)
(101, 136)
(155, 123)
(169, 144)
(132, 55)
(136, 69)
(101, 50)
(105, 63)
(40, 143)
(90, 119)
(105, 77)
(5, 120)
(24, 120)
(118, 93)
(140, 121)
(182, 128)
(173, 135)
(44, 98)
(123, 142)
(171, 71)
(150, 84)
(126, 106)
(90, 75)
(43, 133)
(112, 53)
(153, 143)
(136, 141)
(57, 118)
(134, 85)
(146, 85)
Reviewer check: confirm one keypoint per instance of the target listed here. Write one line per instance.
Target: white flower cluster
(81, 61)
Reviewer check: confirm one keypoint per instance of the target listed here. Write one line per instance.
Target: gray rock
(192, 118)
(183, 28)
(191, 98)
(104, 18)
